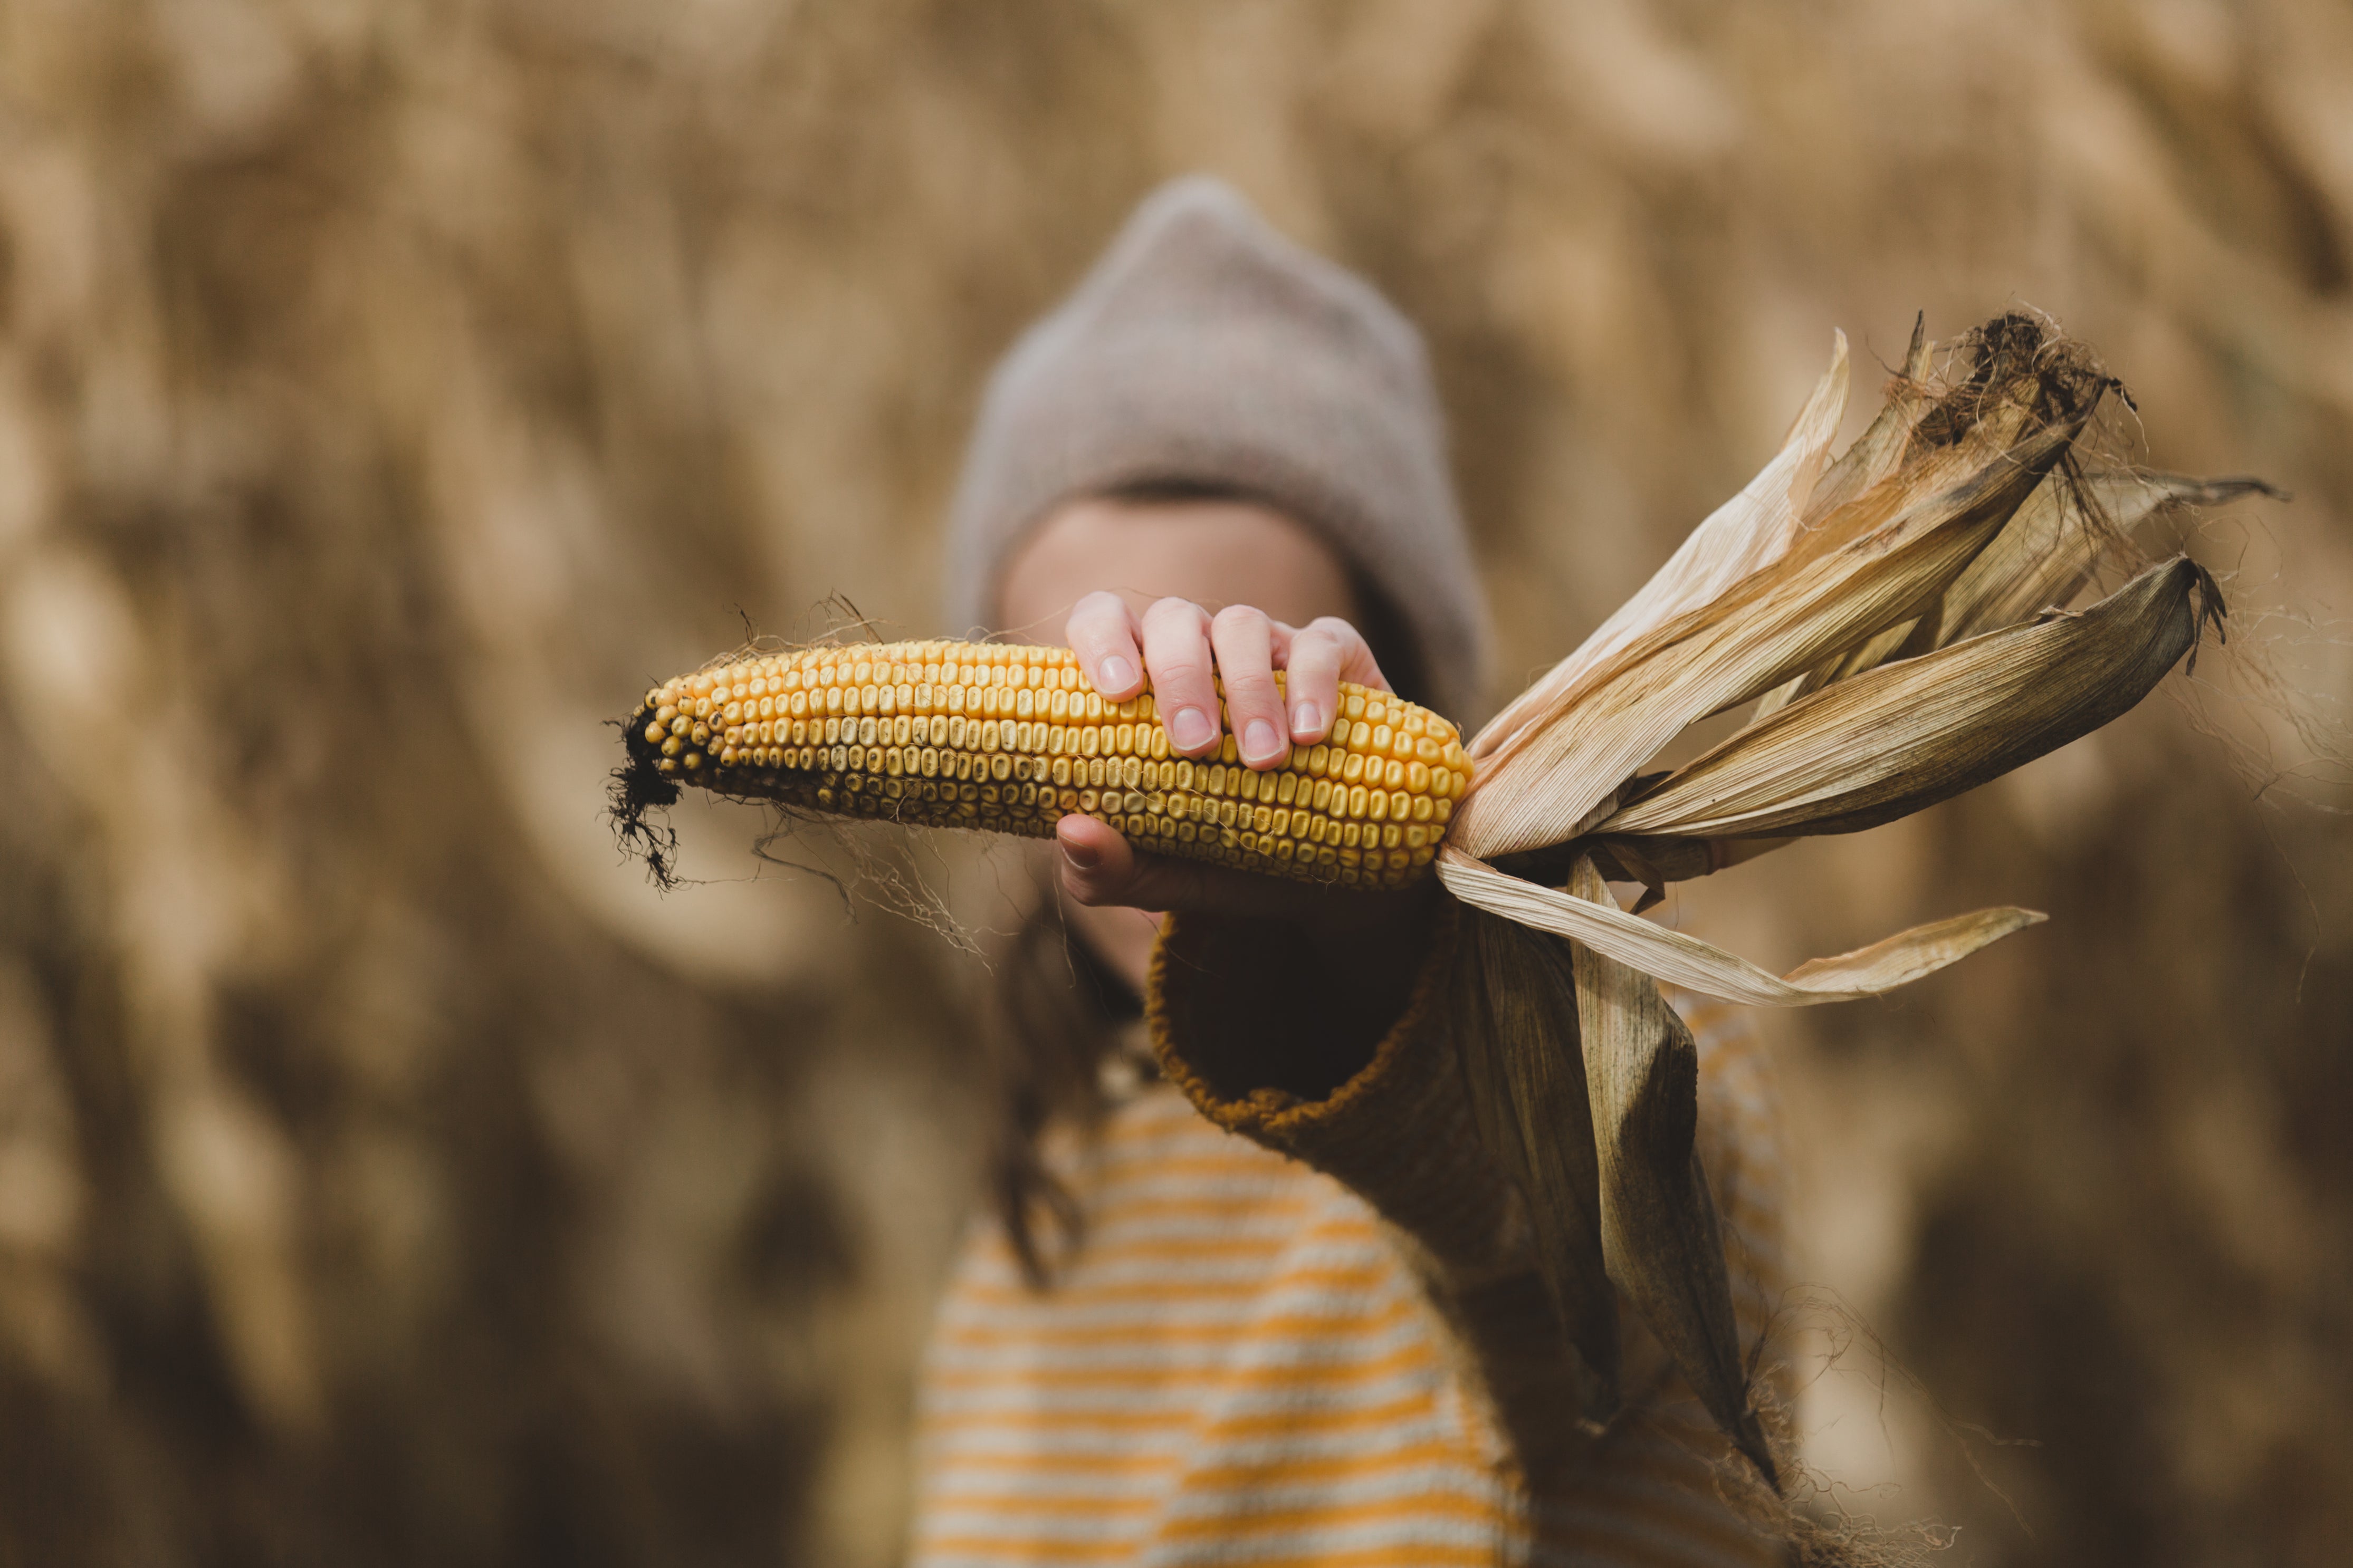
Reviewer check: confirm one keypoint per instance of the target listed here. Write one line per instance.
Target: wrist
(1371, 948)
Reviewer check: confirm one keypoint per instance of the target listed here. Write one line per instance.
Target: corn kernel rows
(1011, 739)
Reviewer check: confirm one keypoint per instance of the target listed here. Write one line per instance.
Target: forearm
(1351, 1071)
(1339, 1063)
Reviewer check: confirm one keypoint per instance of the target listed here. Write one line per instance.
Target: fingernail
(1306, 718)
(1081, 856)
(1191, 729)
(1260, 741)
(1116, 675)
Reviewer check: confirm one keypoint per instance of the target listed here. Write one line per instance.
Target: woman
(1254, 1294)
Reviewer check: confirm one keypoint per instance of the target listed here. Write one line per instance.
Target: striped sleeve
(1236, 1368)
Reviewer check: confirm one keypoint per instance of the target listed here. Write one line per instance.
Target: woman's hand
(1182, 648)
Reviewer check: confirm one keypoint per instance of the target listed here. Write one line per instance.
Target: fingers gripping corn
(953, 734)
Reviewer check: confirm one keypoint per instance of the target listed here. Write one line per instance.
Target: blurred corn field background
(389, 391)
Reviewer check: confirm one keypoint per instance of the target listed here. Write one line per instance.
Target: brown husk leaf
(1525, 1077)
(1659, 1230)
(1891, 741)
(1877, 607)
(1541, 786)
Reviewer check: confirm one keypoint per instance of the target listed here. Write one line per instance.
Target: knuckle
(1175, 612)
(1179, 670)
(1239, 618)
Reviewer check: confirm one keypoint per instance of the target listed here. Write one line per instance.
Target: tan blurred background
(389, 391)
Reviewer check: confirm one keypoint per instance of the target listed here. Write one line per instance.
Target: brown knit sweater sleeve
(1240, 1026)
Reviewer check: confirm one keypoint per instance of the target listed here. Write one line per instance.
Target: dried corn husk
(1885, 743)
(1881, 449)
(2044, 556)
(1695, 965)
(1516, 990)
(1541, 786)
(1659, 1234)
(2049, 550)
(1899, 615)
(1956, 514)
(1740, 536)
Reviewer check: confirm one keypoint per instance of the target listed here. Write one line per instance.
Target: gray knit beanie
(1204, 349)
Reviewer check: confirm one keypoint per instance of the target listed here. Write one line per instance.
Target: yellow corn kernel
(949, 734)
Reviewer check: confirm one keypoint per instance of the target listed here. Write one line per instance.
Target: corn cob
(954, 734)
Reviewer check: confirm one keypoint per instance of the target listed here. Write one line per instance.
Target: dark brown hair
(1058, 1011)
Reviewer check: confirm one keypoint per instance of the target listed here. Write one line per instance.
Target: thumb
(1099, 867)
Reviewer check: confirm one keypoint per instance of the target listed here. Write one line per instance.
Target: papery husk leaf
(1879, 450)
(2023, 381)
(1740, 536)
(1515, 993)
(1654, 861)
(1695, 965)
(2039, 561)
(1544, 785)
(1867, 655)
(1659, 1230)
(2048, 551)
(1900, 738)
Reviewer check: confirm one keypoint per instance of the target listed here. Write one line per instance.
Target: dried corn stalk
(1897, 617)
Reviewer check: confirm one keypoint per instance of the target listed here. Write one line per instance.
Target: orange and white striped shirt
(1247, 1362)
